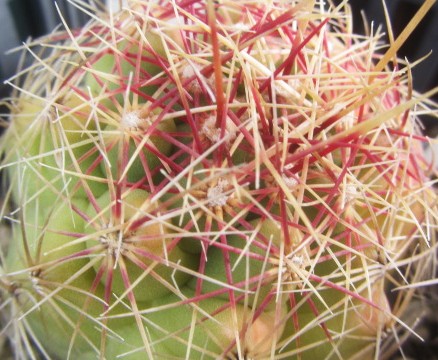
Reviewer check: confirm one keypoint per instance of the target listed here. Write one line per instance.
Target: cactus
(214, 179)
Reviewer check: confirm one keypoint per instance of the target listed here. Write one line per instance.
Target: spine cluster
(214, 179)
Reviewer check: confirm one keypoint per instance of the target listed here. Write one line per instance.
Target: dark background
(423, 41)
(21, 19)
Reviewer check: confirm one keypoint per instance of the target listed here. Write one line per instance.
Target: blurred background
(21, 19)
(24, 19)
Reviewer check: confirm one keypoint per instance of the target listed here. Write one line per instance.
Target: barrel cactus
(214, 180)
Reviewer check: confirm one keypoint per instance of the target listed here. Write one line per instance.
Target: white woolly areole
(298, 260)
(212, 133)
(130, 120)
(188, 71)
(191, 70)
(351, 192)
(348, 120)
(216, 195)
(289, 180)
(239, 27)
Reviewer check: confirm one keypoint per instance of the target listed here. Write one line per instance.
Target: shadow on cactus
(215, 179)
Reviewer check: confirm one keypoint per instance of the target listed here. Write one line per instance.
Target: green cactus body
(131, 233)
(214, 180)
(203, 330)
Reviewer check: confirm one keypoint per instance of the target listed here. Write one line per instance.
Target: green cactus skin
(49, 137)
(137, 238)
(214, 180)
(208, 335)
(247, 262)
(125, 141)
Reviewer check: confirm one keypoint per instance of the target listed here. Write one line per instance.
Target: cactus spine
(214, 179)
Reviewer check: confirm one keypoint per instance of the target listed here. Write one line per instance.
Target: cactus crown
(214, 179)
